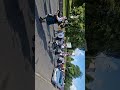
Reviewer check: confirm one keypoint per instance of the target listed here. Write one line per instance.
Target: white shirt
(60, 58)
(63, 46)
(59, 19)
(61, 42)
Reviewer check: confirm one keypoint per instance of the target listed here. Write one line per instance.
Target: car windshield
(58, 76)
(60, 79)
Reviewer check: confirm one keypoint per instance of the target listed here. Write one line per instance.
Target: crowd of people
(62, 21)
(59, 43)
(59, 46)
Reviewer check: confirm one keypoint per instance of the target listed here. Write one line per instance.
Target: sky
(79, 59)
(107, 73)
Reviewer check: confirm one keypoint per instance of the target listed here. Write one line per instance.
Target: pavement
(44, 58)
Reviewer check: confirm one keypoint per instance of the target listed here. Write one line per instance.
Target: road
(44, 58)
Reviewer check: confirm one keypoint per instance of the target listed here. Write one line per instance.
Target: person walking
(53, 19)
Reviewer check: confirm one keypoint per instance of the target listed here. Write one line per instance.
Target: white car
(57, 78)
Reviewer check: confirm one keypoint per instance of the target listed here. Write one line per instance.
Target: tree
(76, 29)
(72, 71)
(69, 59)
(76, 34)
(102, 28)
(77, 3)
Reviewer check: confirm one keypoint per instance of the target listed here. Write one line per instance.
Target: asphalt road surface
(44, 58)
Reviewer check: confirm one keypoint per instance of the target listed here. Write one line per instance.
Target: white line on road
(37, 74)
(48, 81)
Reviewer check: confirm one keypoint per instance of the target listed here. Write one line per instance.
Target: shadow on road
(40, 29)
(51, 55)
(41, 33)
(50, 7)
(45, 8)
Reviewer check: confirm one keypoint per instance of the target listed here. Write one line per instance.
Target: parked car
(57, 78)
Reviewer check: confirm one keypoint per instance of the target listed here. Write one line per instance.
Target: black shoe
(58, 11)
(41, 19)
(51, 15)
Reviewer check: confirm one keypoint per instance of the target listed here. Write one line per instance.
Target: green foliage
(77, 3)
(69, 59)
(72, 71)
(76, 72)
(76, 30)
(70, 50)
(76, 34)
(67, 86)
(67, 5)
(102, 26)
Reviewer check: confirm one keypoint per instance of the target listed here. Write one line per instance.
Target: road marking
(48, 81)
(40, 76)
(36, 61)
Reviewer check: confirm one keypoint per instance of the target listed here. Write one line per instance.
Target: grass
(70, 3)
(66, 7)
(66, 40)
(66, 11)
